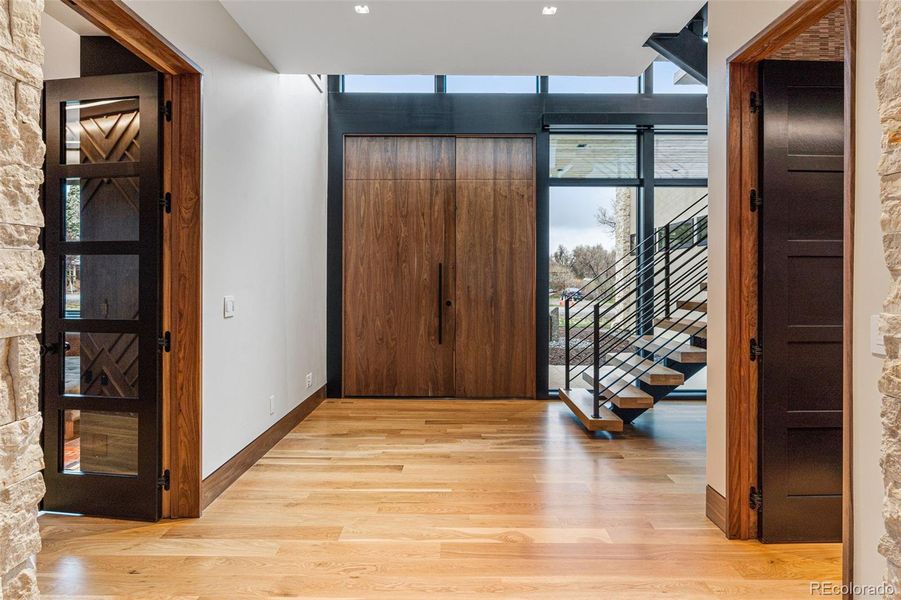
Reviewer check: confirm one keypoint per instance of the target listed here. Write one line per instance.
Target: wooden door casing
(495, 256)
(399, 203)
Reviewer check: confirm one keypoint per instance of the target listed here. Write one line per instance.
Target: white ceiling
(70, 18)
(459, 37)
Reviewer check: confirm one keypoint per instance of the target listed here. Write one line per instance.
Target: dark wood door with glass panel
(101, 335)
(801, 283)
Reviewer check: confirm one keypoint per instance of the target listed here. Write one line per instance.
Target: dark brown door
(398, 266)
(495, 255)
(101, 336)
(801, 287)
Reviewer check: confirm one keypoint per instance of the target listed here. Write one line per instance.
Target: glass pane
(389, 83)
(592, 85)
(602, 156)
(678, 204)
(589, 230)
(101, 286)
(487, 84)
(101, 131)
(688, 235)
(680, 156)
(670, 79)
(101, 209)
(100, 442)
(101, 364)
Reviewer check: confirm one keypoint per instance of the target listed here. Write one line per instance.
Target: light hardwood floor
(415, 499)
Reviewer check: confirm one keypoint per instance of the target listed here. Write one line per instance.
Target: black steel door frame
(482, 114)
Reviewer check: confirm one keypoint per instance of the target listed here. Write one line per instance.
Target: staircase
(639, 329)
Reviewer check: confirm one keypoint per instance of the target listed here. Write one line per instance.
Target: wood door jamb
(741, 289)
(182, 231)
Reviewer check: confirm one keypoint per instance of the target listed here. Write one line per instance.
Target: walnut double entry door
(439, 267)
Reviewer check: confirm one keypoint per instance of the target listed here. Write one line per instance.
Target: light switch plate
(228, 307)
(877, 342)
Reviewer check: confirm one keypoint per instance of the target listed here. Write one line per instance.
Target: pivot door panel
(495, 255)
(398, 281)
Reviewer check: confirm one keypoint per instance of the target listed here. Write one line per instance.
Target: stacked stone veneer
(21, 156)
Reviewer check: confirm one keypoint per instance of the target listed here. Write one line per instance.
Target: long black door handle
(440, 302)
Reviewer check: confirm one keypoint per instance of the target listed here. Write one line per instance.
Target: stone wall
(21, 156)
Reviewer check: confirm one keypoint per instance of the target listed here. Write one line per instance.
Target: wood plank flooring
(438, 498)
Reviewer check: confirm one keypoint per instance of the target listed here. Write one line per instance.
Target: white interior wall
(732, 23)
(62, 49)
(264, 198)
(871, 283)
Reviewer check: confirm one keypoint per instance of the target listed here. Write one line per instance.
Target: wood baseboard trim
(716, 508)
(220, 479)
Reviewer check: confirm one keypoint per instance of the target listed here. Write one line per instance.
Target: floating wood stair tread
(686, 326)
(620, 391)
(674, 350)
(581, 402)
(695, 305)
(646, 370)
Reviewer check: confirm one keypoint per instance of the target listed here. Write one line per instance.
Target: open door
(801, 287)
(101, 335)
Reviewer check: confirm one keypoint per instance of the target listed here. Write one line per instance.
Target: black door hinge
(165, 481)
(755, 499)
(754, 103)
(166, 110)
(755, 200)
(166, 202)
(756, 349)
(166, 342)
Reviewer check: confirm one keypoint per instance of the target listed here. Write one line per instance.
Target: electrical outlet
(272, 404)
(309, 380)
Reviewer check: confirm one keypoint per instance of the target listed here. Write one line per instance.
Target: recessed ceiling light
(549, 11)
(361, 9)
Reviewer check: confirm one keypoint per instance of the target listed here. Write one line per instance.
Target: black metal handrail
(698, 271)
(635, 305)
(689, 257)
(605, 274)
(614, 337)
(632, 319)
(633, 259)
(628, 377)
(664, 268)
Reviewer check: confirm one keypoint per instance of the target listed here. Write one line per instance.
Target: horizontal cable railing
(696, 208)
(631, 299)
(641, 368)
(684, 284)
(626, 308)
(686, 256)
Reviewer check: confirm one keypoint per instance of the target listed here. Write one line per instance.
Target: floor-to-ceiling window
(593, 192)
(606, 195)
